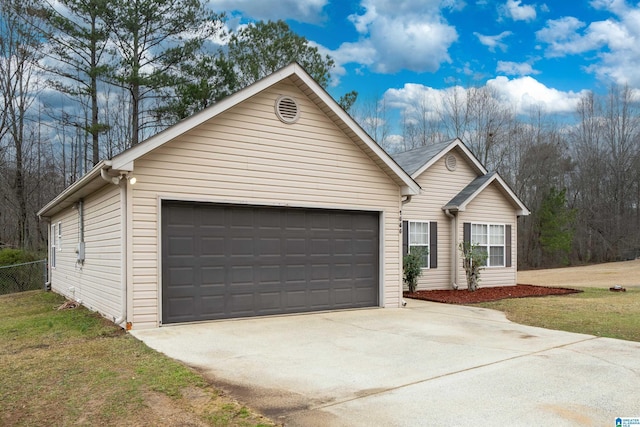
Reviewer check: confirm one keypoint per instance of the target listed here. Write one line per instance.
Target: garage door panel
(212, 246)
(295, 273)
(295, 246)
(215, 275)
(222, 261)
(269, 274)
(182, 246)
(241, 275)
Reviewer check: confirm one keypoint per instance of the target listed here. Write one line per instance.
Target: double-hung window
(490, 238)
(419, 239)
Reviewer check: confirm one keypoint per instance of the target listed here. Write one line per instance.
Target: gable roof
(463, 198)
(124, 162)
(313, 91)
(418, 160)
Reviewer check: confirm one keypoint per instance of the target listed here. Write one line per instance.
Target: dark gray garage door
(224, 261)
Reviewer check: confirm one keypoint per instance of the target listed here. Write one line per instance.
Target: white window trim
(59, 241)
(489, 245)
(54, 234)
(427, 245)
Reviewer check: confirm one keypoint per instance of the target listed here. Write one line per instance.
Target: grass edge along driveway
(72, 367)
(595, 311)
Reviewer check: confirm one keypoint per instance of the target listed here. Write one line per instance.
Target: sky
(532, 53)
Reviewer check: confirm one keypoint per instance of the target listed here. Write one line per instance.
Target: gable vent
(450, 162)
(287, 109)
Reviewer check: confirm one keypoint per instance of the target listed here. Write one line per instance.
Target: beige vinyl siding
(439, 186)
(247, 155)
(491, 206)
(97, 282)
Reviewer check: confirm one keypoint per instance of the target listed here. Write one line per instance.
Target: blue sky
(532, 53)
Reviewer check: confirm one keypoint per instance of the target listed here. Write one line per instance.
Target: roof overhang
(99, 176)
(461, 205)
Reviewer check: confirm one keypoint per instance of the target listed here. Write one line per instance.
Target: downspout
(403, 202)
(454, 247)
(47, 280)
(123, 240)
(124, 254)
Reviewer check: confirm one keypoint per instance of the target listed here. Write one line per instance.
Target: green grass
(72, 367)
(598, 312)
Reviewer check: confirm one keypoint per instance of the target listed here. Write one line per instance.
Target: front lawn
(595, 311)
(72, 367)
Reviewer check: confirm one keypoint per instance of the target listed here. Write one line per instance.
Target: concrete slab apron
(427, 364)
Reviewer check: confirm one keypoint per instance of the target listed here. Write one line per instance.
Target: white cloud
(515, 11)
(414, 95)
(522, 93)
(397, 35)
(563, 37)
(493, 42)
(515, 68)
(310, 11)
(526, 92)
(616, 41)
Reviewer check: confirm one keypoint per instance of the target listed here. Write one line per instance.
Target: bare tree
(372, 115)
(479, 118)
(19, 53)
(421, 124)
(606, 146)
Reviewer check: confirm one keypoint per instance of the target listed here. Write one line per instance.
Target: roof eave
(90, 182)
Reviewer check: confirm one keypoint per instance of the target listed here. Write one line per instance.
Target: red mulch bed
(463, 296)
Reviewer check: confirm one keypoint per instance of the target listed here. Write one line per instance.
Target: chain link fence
(23, 277)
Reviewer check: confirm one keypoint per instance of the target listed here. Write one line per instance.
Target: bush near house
(21, 271)
(412, 264)
(473, 260)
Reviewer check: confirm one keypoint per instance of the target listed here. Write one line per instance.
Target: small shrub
(412, 267)
(473, 260)
(15, 256)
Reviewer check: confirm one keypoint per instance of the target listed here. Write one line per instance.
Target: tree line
(83, 80)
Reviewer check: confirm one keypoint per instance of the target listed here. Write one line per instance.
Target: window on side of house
(419, 238)
(52, 255)
(491, 239)
(59, 241)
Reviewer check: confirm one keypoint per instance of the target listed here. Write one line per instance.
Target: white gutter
(454, 247)
(75, 187)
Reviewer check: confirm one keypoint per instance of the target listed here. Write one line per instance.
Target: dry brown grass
(625, 273)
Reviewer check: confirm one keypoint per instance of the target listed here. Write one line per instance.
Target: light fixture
(132, 179)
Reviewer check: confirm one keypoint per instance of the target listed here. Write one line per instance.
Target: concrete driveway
(427, 364)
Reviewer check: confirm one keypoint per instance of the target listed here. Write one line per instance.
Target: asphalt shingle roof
(411, 161)
(468, 191)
